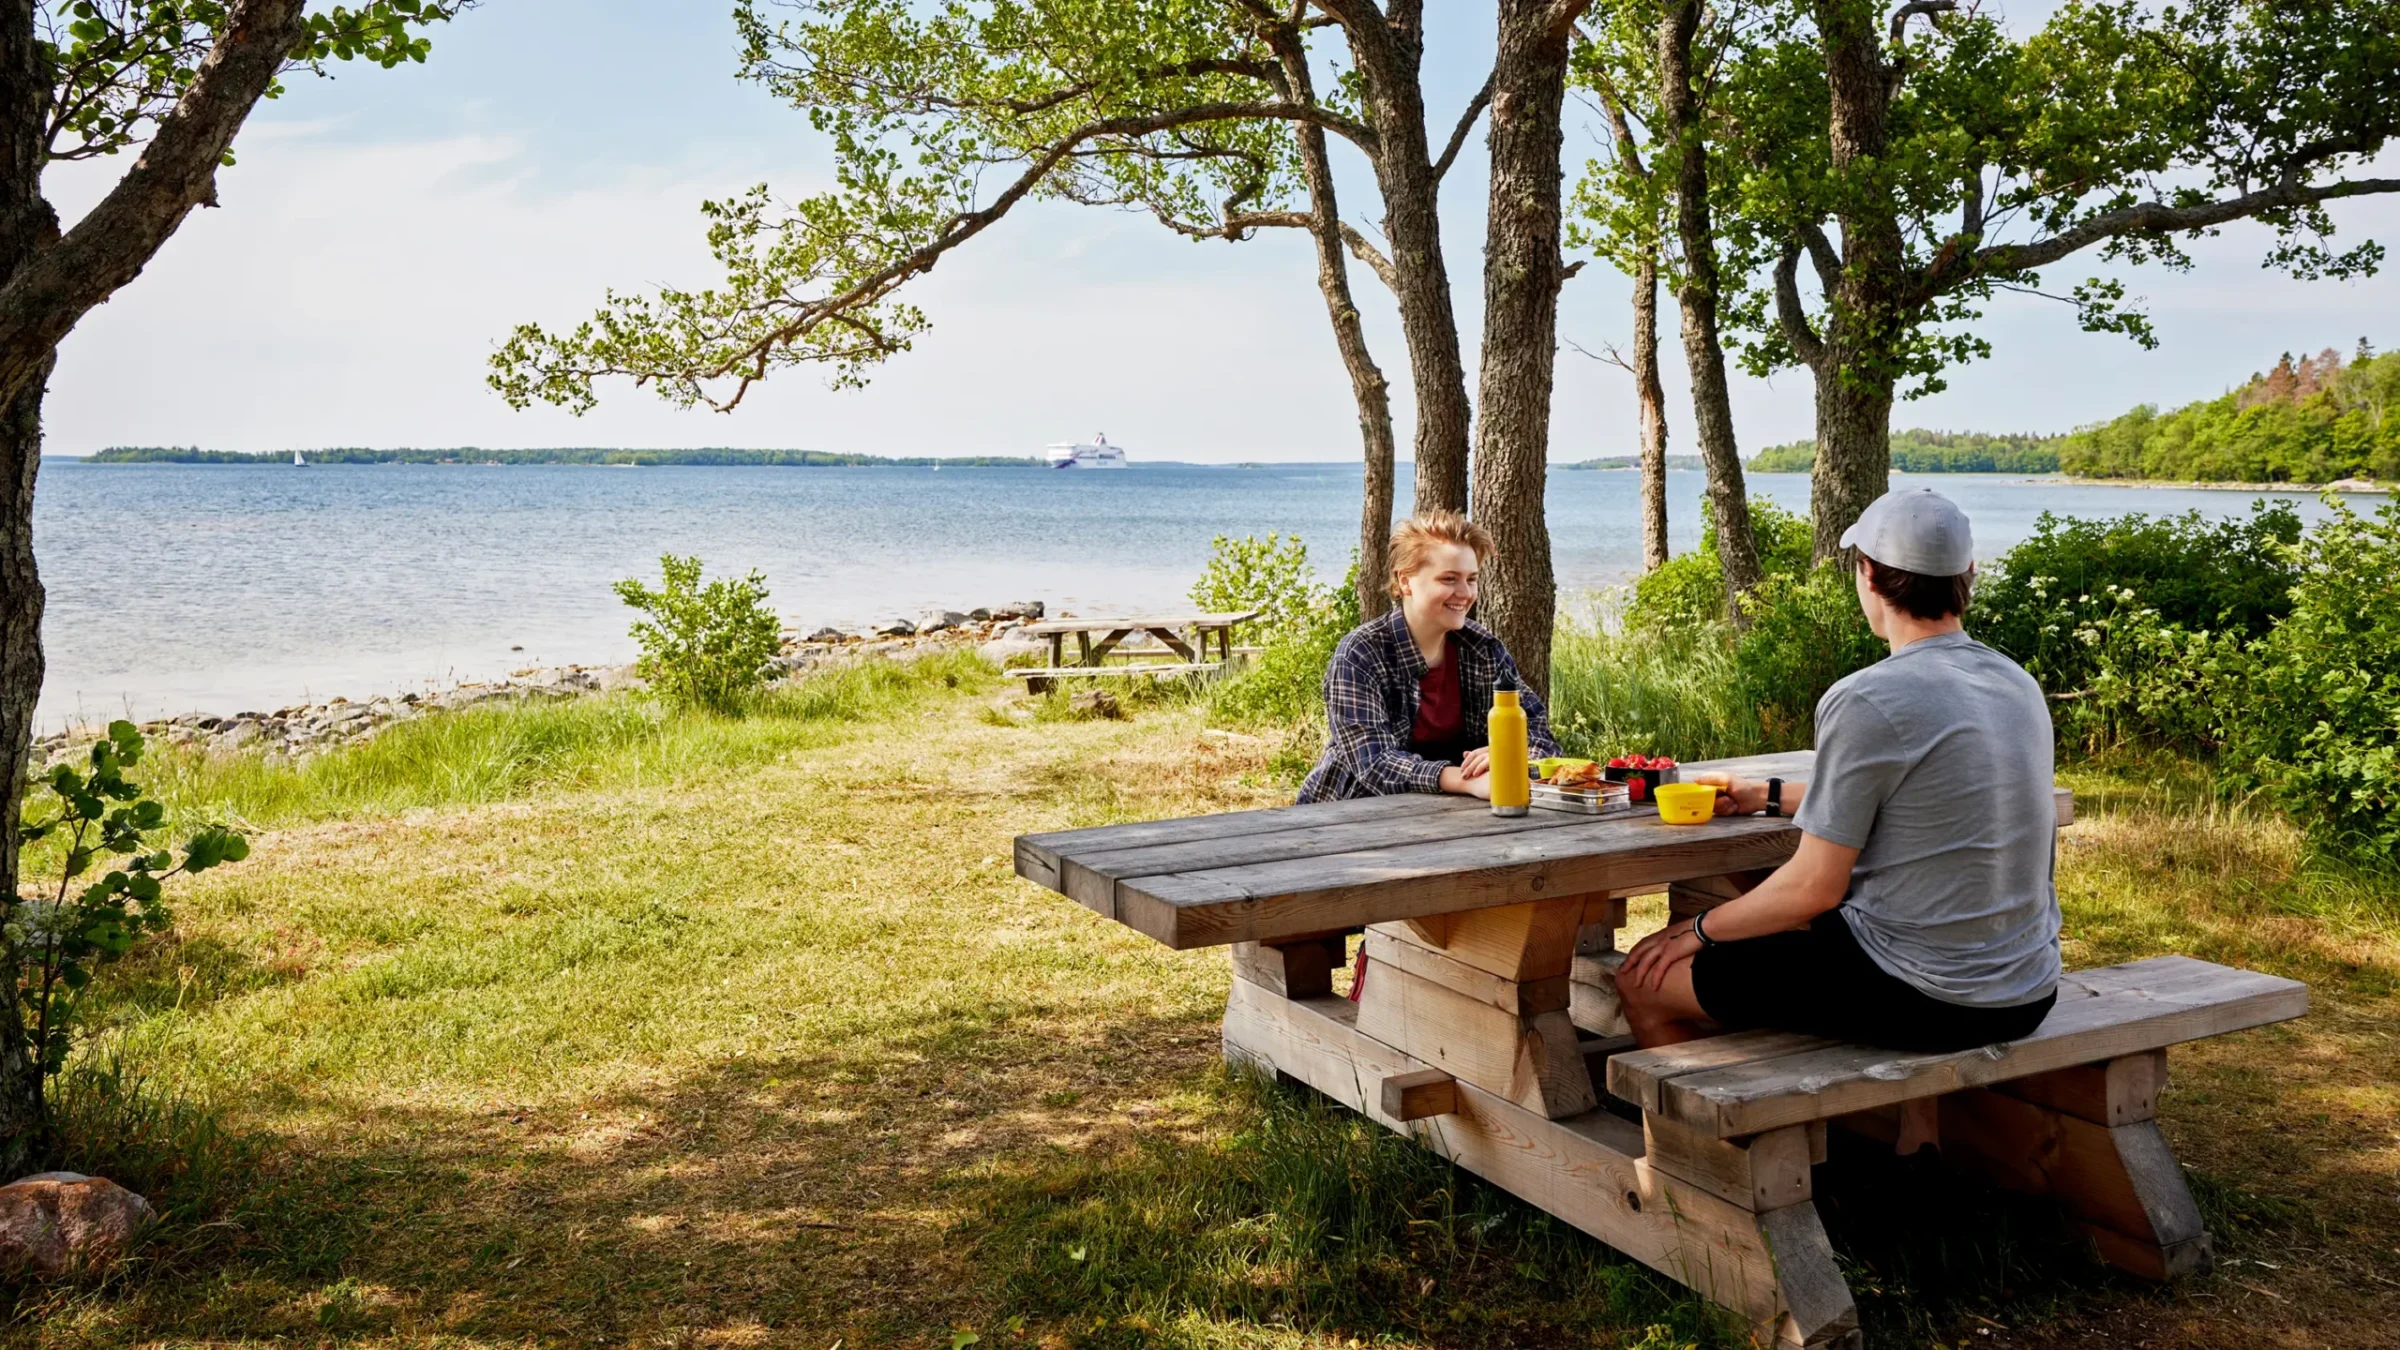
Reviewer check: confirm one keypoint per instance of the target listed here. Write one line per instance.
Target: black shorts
(1818, 980)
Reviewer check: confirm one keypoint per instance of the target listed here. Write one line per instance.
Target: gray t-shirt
(1935, 764)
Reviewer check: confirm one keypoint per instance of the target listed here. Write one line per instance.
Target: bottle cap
(1508, 683)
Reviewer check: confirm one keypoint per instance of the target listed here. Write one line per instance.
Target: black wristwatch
(1774, 796)
(1702, 933)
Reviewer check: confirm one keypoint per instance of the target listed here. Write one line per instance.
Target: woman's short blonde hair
(1414, 538)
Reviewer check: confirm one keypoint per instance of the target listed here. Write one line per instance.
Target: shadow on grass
(1092, 1185)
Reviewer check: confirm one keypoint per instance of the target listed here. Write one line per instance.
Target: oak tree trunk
(1864, 311)
(1696, 296)
(1389, 52)
(1521, 276)
(1653, 400)
(27, 225)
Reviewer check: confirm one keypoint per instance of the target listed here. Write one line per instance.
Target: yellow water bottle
(1512, 788)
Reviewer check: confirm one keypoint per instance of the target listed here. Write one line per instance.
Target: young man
(1919, 911)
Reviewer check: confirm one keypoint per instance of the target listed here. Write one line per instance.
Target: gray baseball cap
(1914, 528)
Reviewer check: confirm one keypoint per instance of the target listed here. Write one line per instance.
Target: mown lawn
(615, 1029)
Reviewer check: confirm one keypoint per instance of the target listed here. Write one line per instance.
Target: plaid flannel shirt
(1371, 706)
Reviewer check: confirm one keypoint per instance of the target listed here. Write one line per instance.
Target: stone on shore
(1022, 609)
(896, 628)
(1002, 650)
(53, 1222)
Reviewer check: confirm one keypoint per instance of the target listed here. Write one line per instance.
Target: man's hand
(1646, 966)
(1735, 796)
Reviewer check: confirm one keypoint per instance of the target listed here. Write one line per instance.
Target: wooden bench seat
(1743, 1084)
(1129, 668)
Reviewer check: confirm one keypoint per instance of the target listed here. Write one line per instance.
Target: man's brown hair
(1415, 537)
(1915, 593)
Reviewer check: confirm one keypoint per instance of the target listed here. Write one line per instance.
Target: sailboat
(298, 462)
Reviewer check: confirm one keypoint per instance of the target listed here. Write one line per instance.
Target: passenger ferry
(1097, 454)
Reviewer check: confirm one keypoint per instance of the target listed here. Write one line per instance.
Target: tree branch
(2147, 218)
(1367, 253)
(1791, 314)
(176, 172)
(1466, 123)
(1913, 8)
(1821, 254)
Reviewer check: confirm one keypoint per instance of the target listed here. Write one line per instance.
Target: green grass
(586, 1023)
(493, 753)
(1617, 691)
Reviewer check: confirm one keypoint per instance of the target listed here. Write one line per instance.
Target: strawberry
(1620, 762)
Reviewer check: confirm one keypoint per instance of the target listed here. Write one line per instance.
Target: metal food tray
(1604, 799)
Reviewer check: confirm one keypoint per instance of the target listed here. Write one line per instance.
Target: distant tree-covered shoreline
(1932, 452)
(172, 454)
(2315, 420)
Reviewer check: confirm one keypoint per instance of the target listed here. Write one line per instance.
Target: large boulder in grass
(53, 1222)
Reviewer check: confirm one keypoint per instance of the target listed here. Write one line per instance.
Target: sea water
(221, 588)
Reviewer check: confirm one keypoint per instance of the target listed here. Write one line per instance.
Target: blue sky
(384, 229)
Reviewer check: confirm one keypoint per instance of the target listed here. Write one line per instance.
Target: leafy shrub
(1285, 683)
(1270, 575)
(2318, 722)
(54, 940)
(2197, 575)
(704, 646)
(1690, 587)
(1806, 631)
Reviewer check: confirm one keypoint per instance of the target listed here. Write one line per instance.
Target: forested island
(2315, 420)
(1675, 463)
(1932, 452)
(175, 454)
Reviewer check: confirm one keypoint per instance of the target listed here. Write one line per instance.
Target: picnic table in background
(1487, 1026)
(1185, 636)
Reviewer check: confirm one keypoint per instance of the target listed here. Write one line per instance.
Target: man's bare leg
(1668, 1014)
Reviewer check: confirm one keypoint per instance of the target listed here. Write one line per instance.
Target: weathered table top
(1136, 622)
(1244, 876)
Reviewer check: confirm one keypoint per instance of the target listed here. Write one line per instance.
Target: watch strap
(1774, 796)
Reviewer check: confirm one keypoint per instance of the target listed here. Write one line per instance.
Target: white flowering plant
(54, 940)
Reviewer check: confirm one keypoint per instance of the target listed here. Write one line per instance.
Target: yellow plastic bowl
(1686, 803)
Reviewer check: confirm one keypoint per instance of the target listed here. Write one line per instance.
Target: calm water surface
(225, 587)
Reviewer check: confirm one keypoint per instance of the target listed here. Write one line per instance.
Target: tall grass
(497, 752)
(1618, 690)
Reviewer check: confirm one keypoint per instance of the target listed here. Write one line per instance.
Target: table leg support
(1773, 1268)
(2120, 1182)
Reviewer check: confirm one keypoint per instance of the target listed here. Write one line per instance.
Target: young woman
(1919, 911)
(1407, 695)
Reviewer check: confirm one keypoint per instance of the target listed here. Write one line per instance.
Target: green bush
(2318, 719)
(1270, 575)
(1284, 685)
(66, 924)
(1806, 631)
(704, 646)
(2198, 575)
(1690, 588)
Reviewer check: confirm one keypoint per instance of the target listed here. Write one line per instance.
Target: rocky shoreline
(301, 731)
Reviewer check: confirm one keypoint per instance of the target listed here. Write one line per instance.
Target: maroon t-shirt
(1441, 709)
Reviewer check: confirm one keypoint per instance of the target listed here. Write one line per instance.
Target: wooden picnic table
(1487, 1027)
(1185, 635)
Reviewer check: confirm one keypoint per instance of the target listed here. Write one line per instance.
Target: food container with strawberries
(1641, 774)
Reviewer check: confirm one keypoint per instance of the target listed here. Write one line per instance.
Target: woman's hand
(1646, 966)
(1455, 780)
(1477, 763)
